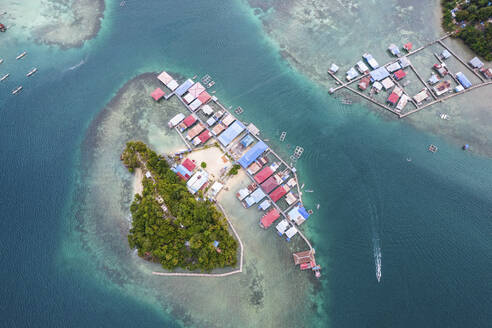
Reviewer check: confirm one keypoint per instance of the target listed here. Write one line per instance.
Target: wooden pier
(347, 85)
(423, 81)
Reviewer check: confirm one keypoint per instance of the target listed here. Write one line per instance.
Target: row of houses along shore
(274, 189)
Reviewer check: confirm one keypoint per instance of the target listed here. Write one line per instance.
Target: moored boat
(17, 90)
(21, 55)
(1, 60)
(31, 72)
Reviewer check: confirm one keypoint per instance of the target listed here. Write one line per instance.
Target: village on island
(387, 86)
(218, 145)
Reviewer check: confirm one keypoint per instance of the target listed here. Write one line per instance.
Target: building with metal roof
(197, 181)
(379, 74)
(184, 87)
(231, 133)
(267, 220)
(255, 197)
(476, 63)
(252, 154)
(463, 80)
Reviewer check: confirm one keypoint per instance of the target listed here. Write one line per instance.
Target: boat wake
(74, 67)
(377, 259)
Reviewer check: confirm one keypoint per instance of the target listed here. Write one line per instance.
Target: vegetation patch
(170, 225)
(472, 21)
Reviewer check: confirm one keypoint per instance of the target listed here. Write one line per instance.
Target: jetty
(229, 132)
(404, 62)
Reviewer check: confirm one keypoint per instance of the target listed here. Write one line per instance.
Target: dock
(436, 99)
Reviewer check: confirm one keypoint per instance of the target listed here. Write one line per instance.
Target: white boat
(21, 55)
(17, 90)
(4, 77)
(1, 60)
(317, 207)
(444, 116)
(31, 72)
(308, 190)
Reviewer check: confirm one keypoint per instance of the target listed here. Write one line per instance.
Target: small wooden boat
(17, 90)
(21, 55)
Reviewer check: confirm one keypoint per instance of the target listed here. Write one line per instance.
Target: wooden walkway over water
(347, 85)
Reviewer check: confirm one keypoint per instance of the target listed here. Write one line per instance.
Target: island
(169, 225)
(472, 22)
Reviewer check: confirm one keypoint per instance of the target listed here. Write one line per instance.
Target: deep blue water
(431, 216)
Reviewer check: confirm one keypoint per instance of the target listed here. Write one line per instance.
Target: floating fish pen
(282, 136)
(238, 110)
(432, 148)
(206, 79)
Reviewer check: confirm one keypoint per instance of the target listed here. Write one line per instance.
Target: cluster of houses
(387, 77)
(273, 181)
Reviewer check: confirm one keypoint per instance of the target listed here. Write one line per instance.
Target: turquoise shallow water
(429, 217)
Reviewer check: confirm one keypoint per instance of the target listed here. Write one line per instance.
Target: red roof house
(188, 164)
(364, 83)
(269, 185)
(189, 120)
(399, 74)
(204, 97)
(278, 193)
(204, 136)
(408, 46)
(157, 94)
(267, 220)
(263, 174)
(393, 98)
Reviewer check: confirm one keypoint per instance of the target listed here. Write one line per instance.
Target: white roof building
(421, 96)
(387, 83)
(393, 67)
(176, 120)
(197, 181)
(291, 232)
(207, 110)
(282, 227)
(216, 187)
(377, 85)
(253, 129)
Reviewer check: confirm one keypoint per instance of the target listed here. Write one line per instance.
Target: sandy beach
(137, 181)
(214, 158)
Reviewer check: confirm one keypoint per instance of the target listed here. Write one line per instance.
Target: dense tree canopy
(471, 22)
(183, 233)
